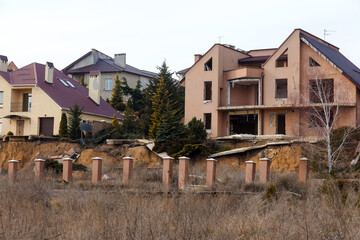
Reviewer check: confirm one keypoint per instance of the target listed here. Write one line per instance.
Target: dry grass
(143, 210)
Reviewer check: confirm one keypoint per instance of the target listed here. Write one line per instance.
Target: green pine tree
(74, 122)
(63, 128)
(138, 101)
(115, 123)
(195, 131)
(116, 100)
(170, 132)
(130, 123)
(160, 101)
(175, 92)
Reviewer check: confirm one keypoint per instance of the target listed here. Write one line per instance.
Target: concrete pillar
(210, 172)
(264, 169)
(67, 169)
(39, 169)
(127, 168)
(96, 171)
(183, 171)
(304, 169)
(250, 171)
(167, 170)
(12, 169)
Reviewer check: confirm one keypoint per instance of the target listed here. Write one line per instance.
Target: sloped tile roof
(65, 96)
(350, 70)
(106, 65)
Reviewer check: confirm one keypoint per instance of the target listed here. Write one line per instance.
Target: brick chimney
(197, 57)
(49, 72)
(94, 86)
(120, 59)
(3, 63)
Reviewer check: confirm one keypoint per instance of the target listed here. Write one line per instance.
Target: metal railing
(20, 107)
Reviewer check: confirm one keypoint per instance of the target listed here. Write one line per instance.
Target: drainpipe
(262, 102)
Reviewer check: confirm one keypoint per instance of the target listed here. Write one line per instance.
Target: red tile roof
(65, 96)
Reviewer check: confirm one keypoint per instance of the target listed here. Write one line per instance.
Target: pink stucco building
(267, 91)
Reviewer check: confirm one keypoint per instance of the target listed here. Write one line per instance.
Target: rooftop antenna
(220, 37)
(327, 33)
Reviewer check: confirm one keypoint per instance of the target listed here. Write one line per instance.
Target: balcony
(20, 107)
(244, 72)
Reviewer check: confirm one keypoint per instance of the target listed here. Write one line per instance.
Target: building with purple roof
(107, 66)
(33, 98)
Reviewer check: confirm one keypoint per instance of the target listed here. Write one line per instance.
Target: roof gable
(103, 63)
(335, 58)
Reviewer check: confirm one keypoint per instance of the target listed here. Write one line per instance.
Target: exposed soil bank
(283, 157)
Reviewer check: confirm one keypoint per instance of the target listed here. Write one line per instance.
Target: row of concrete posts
(183, 177)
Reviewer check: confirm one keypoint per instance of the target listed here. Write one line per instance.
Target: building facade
(270, 91)
(33, 98)
(107, 66)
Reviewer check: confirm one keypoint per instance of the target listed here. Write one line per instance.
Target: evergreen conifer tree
(170, 132)
(115, 123)
(195, 131)
(74, 122)
(63, 128)
(160, 101)
(175, 93)
(116, 100)
(130, 124)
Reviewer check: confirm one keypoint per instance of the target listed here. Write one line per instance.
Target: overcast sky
(150, 31)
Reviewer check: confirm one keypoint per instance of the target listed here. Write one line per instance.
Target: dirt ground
(283, 157)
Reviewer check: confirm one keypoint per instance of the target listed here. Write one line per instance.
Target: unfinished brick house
(267, 91)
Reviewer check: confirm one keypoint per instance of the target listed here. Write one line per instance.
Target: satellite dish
(95, 84)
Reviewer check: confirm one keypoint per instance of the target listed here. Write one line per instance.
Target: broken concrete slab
(246, 149)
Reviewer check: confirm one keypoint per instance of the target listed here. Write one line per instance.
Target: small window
(108, 84)
(281, 88)
(63, 82)
(207, 121)
(282, 61)
(1, 99)
(71, 85)
(321, 90)
(208, 65)
(207, 91)
(313, 63)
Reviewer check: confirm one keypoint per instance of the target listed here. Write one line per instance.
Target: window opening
(207, 121)
(207, 91)
(281, 88)
(63, 82)
(321, 90)
(313, 63)
(108, 84)
(282, 61)
(71, 85)
(208, 65)
(1, 99)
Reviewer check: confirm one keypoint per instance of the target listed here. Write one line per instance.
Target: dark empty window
(319, 118)
(313, 63)
(207, 91)
(208, 65)
(321, 90)
(207, 121)
(282, 61)
(281, 88)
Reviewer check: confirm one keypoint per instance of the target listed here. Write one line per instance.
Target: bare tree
(322, 108)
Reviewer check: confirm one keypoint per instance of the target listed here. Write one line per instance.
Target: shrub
(106, 133)
(10, 133)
